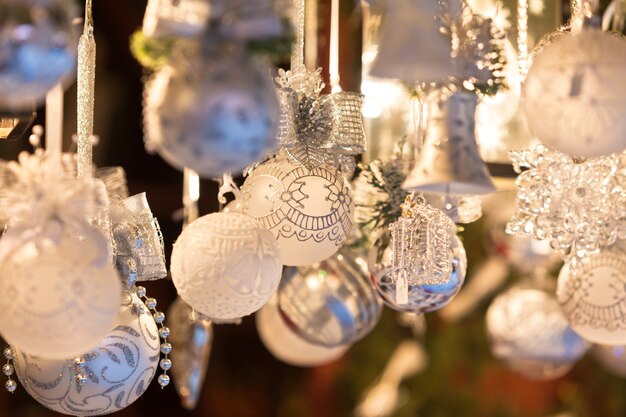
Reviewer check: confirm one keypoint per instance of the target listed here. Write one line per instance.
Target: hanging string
(522, 37)
(191, 195)
(85, 100)
(333, 59)
(297, 55)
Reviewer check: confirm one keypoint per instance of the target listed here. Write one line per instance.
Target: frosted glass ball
(118, 370)
(422, 298)
(529, 333)
(593, 296)
(226, 265)
(309, 211)
(37, 50)
(59, 298)
(288, 347)
(213, 115)
(575, 97)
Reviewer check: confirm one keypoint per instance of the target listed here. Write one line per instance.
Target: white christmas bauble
(37, 49)
(612, 358)
(118, 371)
(421, 298)
(287, 346)
(309, 211)
(593, 296)
(212, 115)
(60, 295)
(575, 97)
(529, 332)
(226, 265)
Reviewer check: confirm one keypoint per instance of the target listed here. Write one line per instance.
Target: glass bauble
(288, 347)
(118, 370)
(331, 303)
(421, 298)
(309, 211)
(530, 334)
(612, 358)
(212, 112)
(60, 293)
(226, 265)
(574, 94)
(37, 49)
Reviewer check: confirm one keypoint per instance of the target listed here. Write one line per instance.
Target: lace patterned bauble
(287, 346)
(592, 294)
(60, 294)
(117, 371)
(574, 94)
(226, 265)
(330, 304)
(37, 49)
(529, 333)
(578, 206)
(309, 211)
(421, 298)
(212, 115)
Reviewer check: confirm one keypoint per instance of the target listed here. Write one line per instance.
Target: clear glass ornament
(37, 50)
(226, 265)
(529, 333)
(332, 303)
(420, 298)
(117, 371)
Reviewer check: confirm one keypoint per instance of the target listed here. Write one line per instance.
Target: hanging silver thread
(85, 100)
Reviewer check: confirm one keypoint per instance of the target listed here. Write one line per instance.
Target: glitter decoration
(117, 372)
(420, 241)
(86, 78)
(578, 206)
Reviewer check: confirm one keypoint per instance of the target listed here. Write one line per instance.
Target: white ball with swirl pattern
(575, 97)
(309, 211)
(117, 372)
(226, 265)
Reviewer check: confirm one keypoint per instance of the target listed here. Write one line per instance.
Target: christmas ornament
(592, 294)
(420, 239)
(573, 95)
(419, 298)
(213, 110)
(577, 206)
(309, 211)
(105, 380)
(38, 50)
(287, 346)
(449, 161)
(530, 334)
(332, 303)
(176, 18)
(191, 342)
(612, 358)
(226, 265)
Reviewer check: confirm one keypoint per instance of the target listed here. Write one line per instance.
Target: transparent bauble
(37, 50)
(60, 293)
(592, 294)
(574, 95)
(226, 265)
(117, 371)
(211, 111)
(287, 346)
(421, 298)
(612, 358)
(309, 211)
(331, 303)
(529, 333)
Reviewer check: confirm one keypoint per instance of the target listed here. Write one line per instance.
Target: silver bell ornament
(332, 303)
(191, 341)
(449, 161)
(107, 379)
(214, 109)
(530, 334)
(37, 50)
